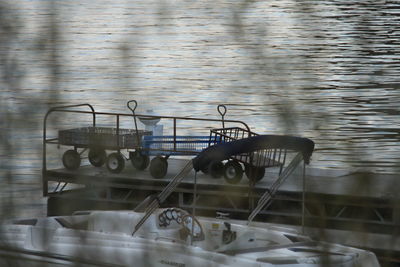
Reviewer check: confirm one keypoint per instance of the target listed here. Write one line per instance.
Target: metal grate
(101, 136)
(177, 145)
(260, 158)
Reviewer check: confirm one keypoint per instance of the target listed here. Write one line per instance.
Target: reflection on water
(326, 70)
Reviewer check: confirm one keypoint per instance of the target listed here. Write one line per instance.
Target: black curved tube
(224, 151)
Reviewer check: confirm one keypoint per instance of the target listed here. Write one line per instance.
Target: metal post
(45, 187)
(134, 119)
(222, 111)
(174, 134)
(194, 205)
(118, 131)
(304, 197)
(251, 196)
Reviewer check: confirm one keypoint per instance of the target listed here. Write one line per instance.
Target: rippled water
(327, 70)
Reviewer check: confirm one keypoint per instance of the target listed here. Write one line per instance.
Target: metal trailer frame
(121, 138)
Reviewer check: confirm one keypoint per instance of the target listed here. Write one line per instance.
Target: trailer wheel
(97, 157)
(233, 172)
(216, 169)
(254, 173)
(115, 162)
(138, 160)
(71, 159)
(158, 167)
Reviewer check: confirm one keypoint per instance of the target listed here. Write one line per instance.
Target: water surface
(326, 70)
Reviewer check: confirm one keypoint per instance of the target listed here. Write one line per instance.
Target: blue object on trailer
(164, 146)
(176, 145)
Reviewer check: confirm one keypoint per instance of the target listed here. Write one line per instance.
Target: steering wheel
(193, 227)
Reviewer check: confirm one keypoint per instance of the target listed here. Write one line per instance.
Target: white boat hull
(105, 240)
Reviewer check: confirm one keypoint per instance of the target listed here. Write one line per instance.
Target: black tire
(233, 172)
(138, 160)
(254, 173)
(216, 169)
(158, 167)
(115, 162)
(71, 159)
(97, 157)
